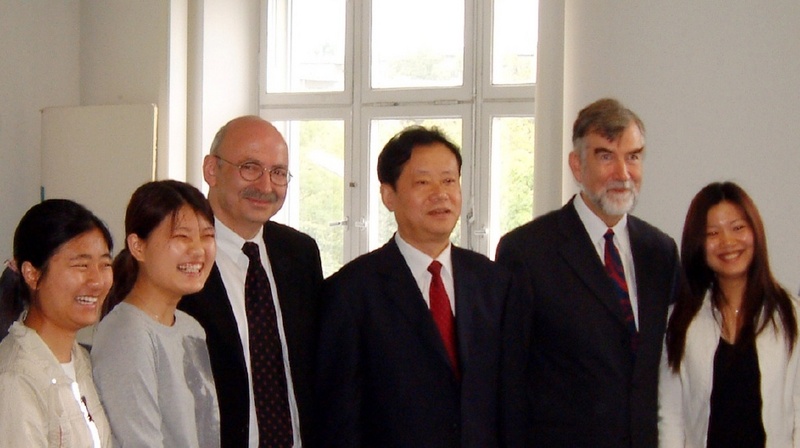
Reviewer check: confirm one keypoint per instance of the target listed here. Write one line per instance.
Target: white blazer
(684, 398)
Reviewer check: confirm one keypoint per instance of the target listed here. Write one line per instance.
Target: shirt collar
(419, 261)
(231, 243)
(595, 226)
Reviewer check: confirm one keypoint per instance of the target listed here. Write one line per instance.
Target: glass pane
(316, 193)
(417, 43)
(511, 201)
(305, 45)
(514, 37)
(382, 224)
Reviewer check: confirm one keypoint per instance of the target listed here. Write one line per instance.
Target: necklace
(144, 306)
(730, 326)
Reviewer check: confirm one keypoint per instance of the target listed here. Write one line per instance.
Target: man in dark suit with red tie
(411, 333)
(259, 307)
(600, 281)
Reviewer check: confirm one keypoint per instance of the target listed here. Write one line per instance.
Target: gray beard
(611, 206)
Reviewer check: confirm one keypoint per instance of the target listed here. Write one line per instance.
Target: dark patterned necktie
(270, 392)
(443, 315)
(616, 271)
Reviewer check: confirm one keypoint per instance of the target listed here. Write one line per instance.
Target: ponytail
(126, 269)
(13, 297)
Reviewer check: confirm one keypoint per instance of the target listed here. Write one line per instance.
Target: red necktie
(270, 392)
(443, 316)
(616, 271)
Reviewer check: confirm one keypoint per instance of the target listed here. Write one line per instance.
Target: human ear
(136, 246)
(388, 196)
(210, 170)
(575, 166)
(31, 275)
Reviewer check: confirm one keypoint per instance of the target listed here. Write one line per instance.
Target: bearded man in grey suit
(593, 326)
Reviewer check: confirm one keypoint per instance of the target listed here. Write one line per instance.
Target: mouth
(440, 212)
(87, 300)
(190, 268)
(620, 187)
(730, 256)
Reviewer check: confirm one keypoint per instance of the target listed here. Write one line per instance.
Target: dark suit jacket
(582, 385)
(384, 376)
(295, 261)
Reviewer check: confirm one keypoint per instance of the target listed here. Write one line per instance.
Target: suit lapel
(645, 267)
(466, 288)
(578, 251)
(215, 297)
(277, 262)
(402, 292)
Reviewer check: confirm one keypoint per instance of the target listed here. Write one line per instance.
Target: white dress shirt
(418, 262)
(596, 229)
(232, 264)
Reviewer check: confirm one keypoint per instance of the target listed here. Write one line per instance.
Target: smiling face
(427, 198)
(177, 256)
(729, 242)
(610, 172)
(244, 206)
(68, 294)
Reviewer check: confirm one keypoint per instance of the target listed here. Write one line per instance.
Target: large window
(339, 78)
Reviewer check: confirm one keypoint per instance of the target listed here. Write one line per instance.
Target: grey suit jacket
(582, 385)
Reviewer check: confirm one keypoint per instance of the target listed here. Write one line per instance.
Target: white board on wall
(97, 156)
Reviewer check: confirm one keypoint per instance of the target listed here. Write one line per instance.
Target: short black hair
(398, 149)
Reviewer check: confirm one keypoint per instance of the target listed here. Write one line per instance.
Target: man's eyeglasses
(252, 171)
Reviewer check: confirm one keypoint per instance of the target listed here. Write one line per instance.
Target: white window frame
(475, 102)
(414, 95)
(344, 97)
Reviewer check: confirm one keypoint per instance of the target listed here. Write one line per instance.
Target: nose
(265, 182)
(438, 193)
(621, 169)
(94, 276)
(727, 238)
(197, 249)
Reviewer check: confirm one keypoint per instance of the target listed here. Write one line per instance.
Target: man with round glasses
(247, 171)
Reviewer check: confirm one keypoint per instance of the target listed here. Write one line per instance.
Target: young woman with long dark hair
(730, 370)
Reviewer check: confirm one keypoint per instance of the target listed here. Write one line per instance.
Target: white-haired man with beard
(600, 282)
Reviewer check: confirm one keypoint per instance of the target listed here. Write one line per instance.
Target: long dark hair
(43, 229)
(150, 204)
(763, 295)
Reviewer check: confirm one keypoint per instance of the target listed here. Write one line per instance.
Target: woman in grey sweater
(150, 360)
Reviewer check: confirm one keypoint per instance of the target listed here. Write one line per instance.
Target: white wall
(717, 83)
(125, 59)
(230, 63)
(38, 68)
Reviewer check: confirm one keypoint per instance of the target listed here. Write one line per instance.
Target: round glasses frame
(252, 171)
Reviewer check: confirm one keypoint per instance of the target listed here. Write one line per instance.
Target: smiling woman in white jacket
(729, 374)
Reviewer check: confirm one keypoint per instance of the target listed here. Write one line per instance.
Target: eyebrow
(430, 171)
(88, 257)
(598, 149)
